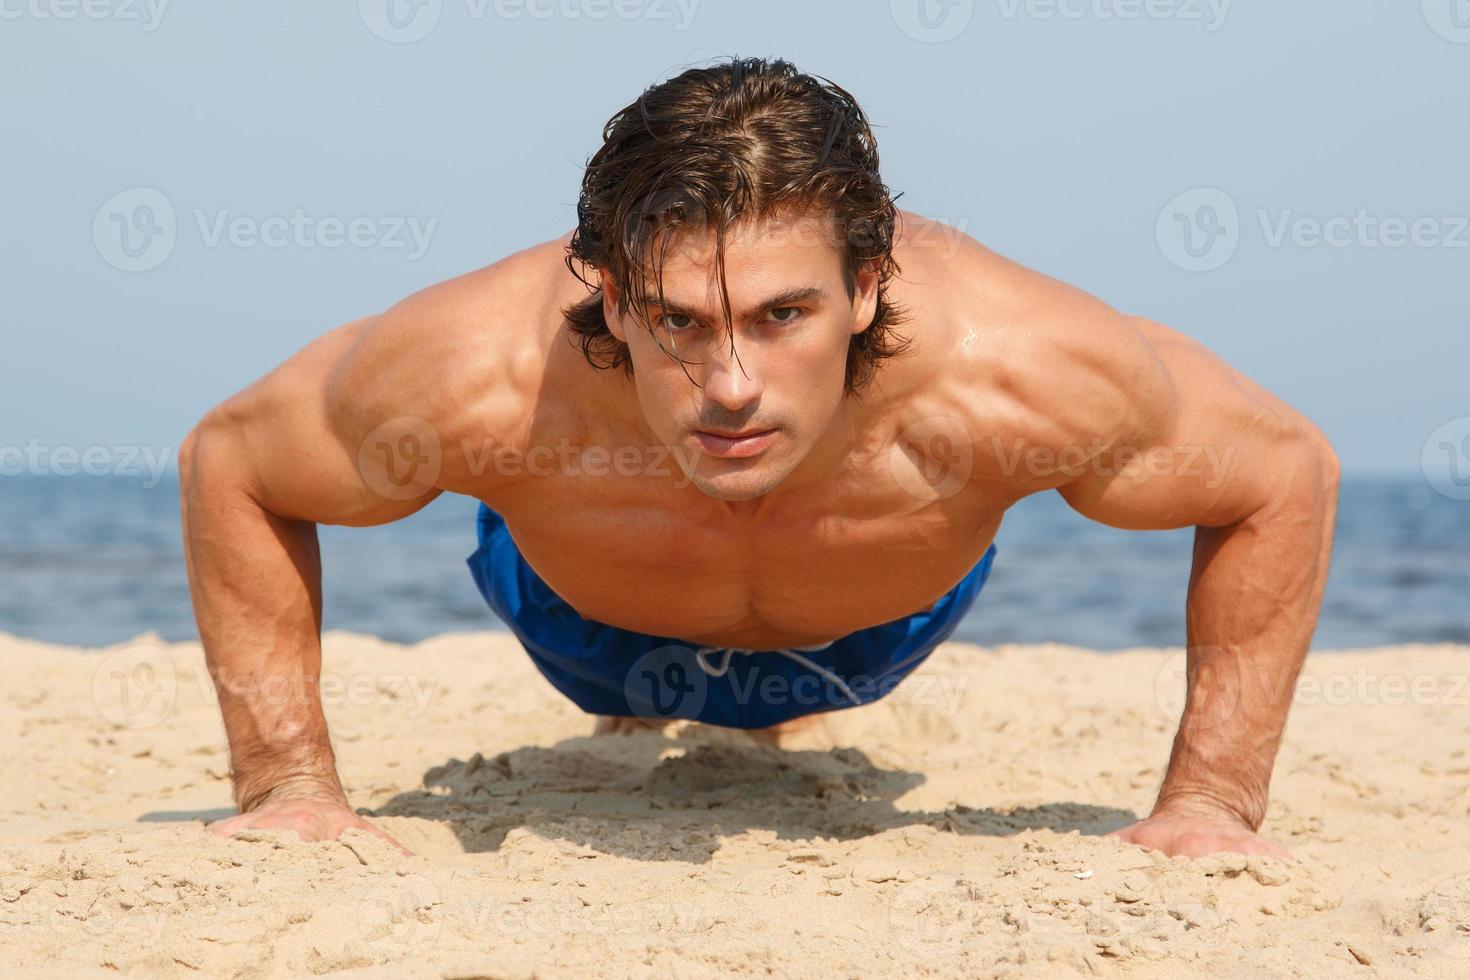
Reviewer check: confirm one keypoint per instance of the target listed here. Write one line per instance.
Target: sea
(98, 560)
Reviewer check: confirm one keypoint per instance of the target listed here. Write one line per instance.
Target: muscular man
(746, 465)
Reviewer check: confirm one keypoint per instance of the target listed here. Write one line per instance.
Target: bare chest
(804, 575)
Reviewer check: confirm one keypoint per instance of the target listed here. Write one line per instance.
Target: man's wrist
(251, 793)
(298, 763)
(1210, 776)
(1199, 802)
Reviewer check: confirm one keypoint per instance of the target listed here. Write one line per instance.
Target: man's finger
(225, 827)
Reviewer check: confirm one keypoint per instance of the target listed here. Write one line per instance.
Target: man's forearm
(1254, 597)
(255, 580)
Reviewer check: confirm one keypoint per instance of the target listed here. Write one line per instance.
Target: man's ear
(865, 296)
(610, 297)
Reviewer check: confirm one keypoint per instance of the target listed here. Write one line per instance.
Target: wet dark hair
(740, 139)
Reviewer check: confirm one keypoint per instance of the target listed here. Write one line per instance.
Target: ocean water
(98, 560)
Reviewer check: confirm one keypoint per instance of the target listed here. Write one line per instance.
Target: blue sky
(1285, 182)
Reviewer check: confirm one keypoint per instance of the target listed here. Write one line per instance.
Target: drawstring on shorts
(728, 653)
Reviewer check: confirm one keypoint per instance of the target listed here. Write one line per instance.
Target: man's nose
(734, 384)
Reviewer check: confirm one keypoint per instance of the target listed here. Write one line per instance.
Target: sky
(193, 191)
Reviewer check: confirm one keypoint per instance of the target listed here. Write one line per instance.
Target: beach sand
(953, 833)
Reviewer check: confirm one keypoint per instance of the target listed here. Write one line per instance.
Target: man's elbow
(1328, 462)
(1320, 460)
(188, 451)
(207, 450)
(194, 447)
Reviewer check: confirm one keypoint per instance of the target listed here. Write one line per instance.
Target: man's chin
(733, 483)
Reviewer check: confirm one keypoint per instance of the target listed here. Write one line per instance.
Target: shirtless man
(753, 457)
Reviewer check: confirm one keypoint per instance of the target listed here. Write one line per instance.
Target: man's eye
(676, 322)
(786, 314)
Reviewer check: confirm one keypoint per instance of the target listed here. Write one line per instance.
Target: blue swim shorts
(606, 670)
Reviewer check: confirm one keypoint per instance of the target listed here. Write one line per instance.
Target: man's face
(753, 414)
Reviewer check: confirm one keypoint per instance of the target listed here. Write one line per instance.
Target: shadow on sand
(650, 797)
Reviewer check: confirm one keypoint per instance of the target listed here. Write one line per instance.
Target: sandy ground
(952, 834)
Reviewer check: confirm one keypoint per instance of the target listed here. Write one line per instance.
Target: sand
(953, 833)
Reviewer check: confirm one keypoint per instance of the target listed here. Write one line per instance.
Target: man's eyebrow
(789, 297)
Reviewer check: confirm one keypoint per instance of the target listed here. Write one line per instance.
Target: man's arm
(1262, 495)
(1146, 429)
(355, 429)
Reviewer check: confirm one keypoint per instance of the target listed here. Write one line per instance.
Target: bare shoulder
(1024, 360)
(467, 358)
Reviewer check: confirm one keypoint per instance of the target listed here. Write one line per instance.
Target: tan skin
(843, 519)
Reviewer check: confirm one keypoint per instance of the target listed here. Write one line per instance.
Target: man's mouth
(734, 445)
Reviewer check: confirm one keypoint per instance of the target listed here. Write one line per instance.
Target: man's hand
(1195, 834)
(1146, 430)
(256, 476)
(314, 817)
